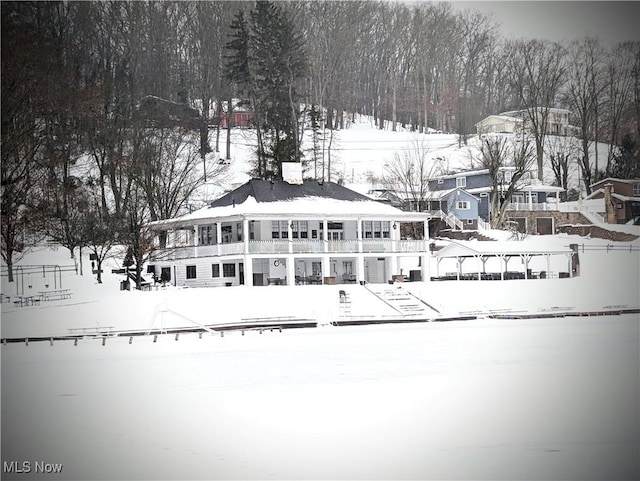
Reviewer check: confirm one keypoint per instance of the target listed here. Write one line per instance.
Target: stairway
(405, 303)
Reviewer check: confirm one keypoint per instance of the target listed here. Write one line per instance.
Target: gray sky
(563, 21)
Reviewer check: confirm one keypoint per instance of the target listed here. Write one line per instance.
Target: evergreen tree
(267, 61)
(626, 164)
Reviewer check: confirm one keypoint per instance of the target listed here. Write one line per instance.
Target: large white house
(515, 121)
(279, 233)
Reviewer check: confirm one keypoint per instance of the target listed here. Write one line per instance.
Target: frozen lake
(485, 399)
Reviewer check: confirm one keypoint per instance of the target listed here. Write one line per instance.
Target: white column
(360, 235)
(426, 266)
(195, 240)
(360, 269)
(530, 201)
(394, 236)
(326, 267)
(248, 270)
(325, 235)
(426, 230)
(245, 235)
(218, 236)
(393, 261)
(291, 271)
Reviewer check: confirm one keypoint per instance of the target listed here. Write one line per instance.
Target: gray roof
(279, 190)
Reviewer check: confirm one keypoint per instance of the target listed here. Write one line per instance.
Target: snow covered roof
(443, 194)
(600, 192)
(613, 179)
(311, 199)
(529, 246)
(506, 118)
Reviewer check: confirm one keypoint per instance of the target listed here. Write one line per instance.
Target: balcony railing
(296, 246)
(525, 206)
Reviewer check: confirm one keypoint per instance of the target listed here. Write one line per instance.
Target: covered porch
(470, 261)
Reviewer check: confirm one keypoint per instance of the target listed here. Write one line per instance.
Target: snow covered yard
(487, 399)
(483, 399)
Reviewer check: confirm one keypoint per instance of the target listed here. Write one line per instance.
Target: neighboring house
(499, 124)
(621, 198)
(456, 202)
(515, 120)
(238, 119)
(273, 233)
(530, 195)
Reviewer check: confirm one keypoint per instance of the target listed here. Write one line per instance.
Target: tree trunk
(394, 113)
(99, 269)
(10, 266)
(540, 157)
(230, 109)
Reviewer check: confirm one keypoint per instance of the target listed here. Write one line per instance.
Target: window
(229, 270)
(376, 229)
(518, 198)
(279, 229)
(636, 189)
(469, 221)
(508, 175)
(191, 272)
(385, 230)
(440, 181)
(461, 181)
(367, 227)
(206, 235)
(304, 229)
(215, 270)
(165, 274)
(227, 234)
(462, 205)
(300, 229)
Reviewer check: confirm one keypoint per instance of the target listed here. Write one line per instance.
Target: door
(544, 225)
(241, 272)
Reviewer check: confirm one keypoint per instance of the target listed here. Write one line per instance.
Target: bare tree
(564, 154)
(167, 169)
(474, 57)
(409, 173)
(499, 154)
(536, 72)
(584, 88)
(619, 89)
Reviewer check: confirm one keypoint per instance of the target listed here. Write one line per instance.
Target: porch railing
(296, 246)
(525, 206)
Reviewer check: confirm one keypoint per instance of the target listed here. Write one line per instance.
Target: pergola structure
(505, 251)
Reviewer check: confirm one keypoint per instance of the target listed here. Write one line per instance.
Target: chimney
(609, 206)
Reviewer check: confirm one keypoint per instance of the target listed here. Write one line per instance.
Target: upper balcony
(293, 246)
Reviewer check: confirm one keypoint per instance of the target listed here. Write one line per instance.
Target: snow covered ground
(488, 399)
(482, 399)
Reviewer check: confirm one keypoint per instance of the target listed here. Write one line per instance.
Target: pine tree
(267, 62)
(626, 164)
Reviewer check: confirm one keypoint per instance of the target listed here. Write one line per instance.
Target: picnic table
(55, 295)
(22, 301)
